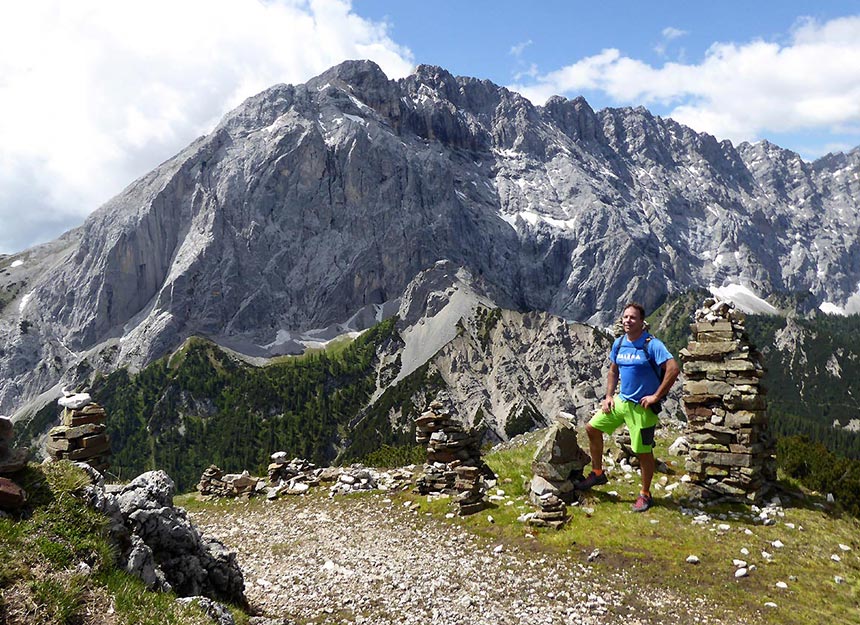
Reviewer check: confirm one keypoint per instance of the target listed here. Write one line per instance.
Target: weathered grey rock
(141, 563)
(150, 490)
(74, 402)
(160, 545)
(214, 610)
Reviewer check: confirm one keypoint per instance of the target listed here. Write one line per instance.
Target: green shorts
(640, 421)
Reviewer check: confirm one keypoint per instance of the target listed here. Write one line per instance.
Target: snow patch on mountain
(744, 298)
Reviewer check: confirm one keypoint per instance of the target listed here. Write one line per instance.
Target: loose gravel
(371, 560)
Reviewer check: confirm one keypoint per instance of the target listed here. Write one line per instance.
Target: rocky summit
(309, 209)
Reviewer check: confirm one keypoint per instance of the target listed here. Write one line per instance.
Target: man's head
(633, 320)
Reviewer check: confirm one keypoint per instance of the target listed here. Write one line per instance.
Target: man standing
(647, 371)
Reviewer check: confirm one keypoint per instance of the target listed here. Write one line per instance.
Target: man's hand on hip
(607, 404)
(648, 401)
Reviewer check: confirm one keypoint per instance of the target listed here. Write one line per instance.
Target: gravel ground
(366, 559)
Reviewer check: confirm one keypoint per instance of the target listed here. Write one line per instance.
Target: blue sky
(506, 41)
(95, 93)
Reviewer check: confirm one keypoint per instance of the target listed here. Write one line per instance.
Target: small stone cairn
(297, 476)
(558, 463)
(731, 450)
(454, 464)
(215, 483)
(12, 461)
(552, 513)
(290, 477)
(81, 436)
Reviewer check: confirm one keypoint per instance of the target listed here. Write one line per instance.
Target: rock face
(558, 463)
(160, 545)
(309, 204)
(507, 370)
(731, 449)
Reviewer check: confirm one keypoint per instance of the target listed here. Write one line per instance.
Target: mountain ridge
(308, 203)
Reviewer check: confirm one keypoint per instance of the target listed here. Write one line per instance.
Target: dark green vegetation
(812, 362)
(202, 406)
(671, 321)
(820, 470)
(814, 379)
(41, 580)
(485, 320)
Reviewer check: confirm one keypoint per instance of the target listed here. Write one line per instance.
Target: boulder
(12, 496)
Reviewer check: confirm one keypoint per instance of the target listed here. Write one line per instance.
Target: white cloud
(736, 92)
(670, 33)
(517, 50)
(94, 93)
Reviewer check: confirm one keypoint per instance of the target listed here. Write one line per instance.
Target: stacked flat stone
(448, 446)
(12, 461)
(282, 470)
(436, 479)
(445, 438)
(471, 490)
(352, 480)
(731, 450)
(557, 463)
(82, 436)
(553, 512)
(215, 483)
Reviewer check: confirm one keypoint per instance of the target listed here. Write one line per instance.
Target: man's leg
(601, 423)
(595, 446)
(646, 464)
(642, 422)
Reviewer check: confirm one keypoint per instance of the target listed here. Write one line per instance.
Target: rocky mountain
(310, 208)
(499, 370)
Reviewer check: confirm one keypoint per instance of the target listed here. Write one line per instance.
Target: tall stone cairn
(731, 450)
(81, 436)
(454, 463)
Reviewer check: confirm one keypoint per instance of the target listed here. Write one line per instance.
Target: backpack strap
(651, 360)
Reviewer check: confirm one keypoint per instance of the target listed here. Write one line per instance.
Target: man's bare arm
(611, 385)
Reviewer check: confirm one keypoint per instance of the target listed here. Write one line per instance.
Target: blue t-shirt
(638, 377)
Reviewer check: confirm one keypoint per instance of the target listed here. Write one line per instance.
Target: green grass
(652, 548)
(40, 554)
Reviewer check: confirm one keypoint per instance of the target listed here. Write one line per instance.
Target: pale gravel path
(368, 560)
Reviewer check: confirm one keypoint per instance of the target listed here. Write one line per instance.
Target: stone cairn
(81, 436)
(558, 463)
(12, 461)
(552, 513)
(298, 476)
(215, 483)
(731, 450)
(454, 465)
